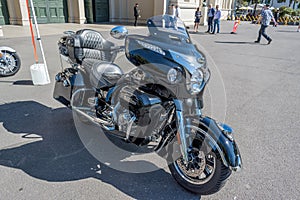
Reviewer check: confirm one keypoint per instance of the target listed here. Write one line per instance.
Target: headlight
(196, 83)
(174, 76)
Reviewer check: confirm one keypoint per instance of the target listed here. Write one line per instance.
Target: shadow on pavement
(20, 82)
(6, 81)
(199, 33)
(225, 33)
(287, 31)
(23, 82)
(56, 154)
(229, 42)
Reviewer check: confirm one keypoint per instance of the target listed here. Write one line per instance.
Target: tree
(290, 2)
(252, 2)
(254, 9)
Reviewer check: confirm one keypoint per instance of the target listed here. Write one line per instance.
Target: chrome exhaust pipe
(87, 111)
(106, 125)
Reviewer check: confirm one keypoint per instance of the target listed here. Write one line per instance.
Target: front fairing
(168, 46)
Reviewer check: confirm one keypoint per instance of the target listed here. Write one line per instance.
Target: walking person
(217, 18)
(197, 19)
(298, 28)
(276, 14)
(266, 16)
(210, 14)
(136, 13)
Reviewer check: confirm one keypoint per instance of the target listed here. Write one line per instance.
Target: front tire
(205, 172)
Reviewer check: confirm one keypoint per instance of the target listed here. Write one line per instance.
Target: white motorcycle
(10, 62)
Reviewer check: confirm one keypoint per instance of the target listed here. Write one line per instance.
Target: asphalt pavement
(254, 87)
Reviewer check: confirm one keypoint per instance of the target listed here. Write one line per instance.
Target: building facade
(95, 11)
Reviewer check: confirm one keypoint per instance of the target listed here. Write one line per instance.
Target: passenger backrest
(87, 43)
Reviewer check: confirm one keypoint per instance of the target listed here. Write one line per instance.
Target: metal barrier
(281, 20)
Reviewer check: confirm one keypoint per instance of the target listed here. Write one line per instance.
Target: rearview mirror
(119, 32)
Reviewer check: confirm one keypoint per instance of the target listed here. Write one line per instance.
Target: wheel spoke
(11, 69)
(4, 54)
(206, 171)
(210, 163)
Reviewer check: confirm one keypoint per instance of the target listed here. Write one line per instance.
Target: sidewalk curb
(14, 31)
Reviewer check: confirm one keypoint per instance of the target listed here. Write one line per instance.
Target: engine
(140, 115)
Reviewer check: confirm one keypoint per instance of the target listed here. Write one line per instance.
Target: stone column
(188, 9)
(1, 16)
(159, 7)
(203, 20)
(88, 7)
(112, 11)
(76, 11)
(18, 12)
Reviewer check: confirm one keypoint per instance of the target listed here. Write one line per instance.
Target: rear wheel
(205, 172)
(10, 63)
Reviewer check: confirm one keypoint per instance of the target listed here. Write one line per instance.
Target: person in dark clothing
(197, 19)
(210, 14)
(276, 14)
(136, 13)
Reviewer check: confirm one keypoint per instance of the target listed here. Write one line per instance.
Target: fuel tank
(104, 74)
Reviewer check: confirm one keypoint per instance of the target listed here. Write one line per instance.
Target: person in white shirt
(172, 10)
(177, 11)
(217, 18)
(265, 19)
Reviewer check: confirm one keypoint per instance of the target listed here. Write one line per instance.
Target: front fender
(227, 149)
(7, 49)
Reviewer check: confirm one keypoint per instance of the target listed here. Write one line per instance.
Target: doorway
(51, 11)
(96, 11)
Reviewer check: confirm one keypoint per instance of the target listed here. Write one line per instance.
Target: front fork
(220, 135)
(191, 107)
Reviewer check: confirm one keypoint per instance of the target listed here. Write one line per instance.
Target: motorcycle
(10, 62)
(159, 102)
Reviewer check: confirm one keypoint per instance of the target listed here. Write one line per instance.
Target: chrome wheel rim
(201, 164)
(199, 170)
(8, 63)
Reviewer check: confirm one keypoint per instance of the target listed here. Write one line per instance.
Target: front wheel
(204, 173)
(10, 63)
